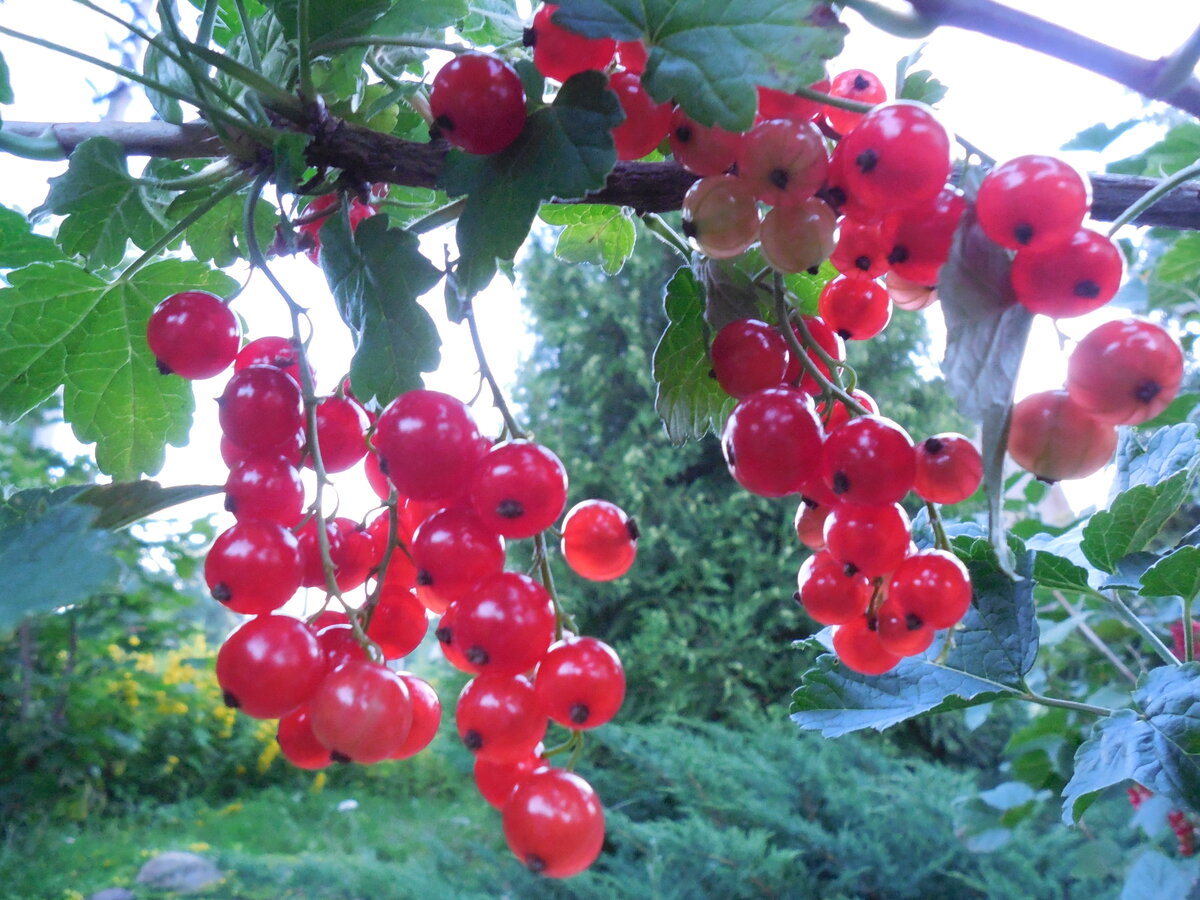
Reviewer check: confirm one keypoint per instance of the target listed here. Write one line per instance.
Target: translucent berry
(869, 460)
(554, 823)
(599, 541)
(783, 162)
(796, 238)
(720, 216)
(646, 121)
(261, 408)
(949, 468)
(853, 84)
(429, 445)
(559, 53)
(1070, 278)
(829, 592)
(519, 488)
(749, 355)
(922, 235)
(478, 103)
(868, 540)
(857, 308)
(933, 586)
(772, 441)
(253, 567)
(1125, 372)
(897, 156)
(193, 334)
(702, 149)
(858, 646)
(269, 665)
(1032, 202)
(1054, 438)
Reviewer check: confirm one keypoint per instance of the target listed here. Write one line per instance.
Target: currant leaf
(19, 246)
(601, 235)
(62, 326)
(416, 18)
(1181, 261)
(729, 293)
(492, 22)
(1156, 744)
(1152, 460)
(160, 67)
(104, 206)
(689, 399)
(1098, 136)
(922, 87)
(993, 650)
(1175, 575)
(1132, 520)
(565, 151)
(1154, 875)
(331, 18)
(31, 545)
(804, 289)
(1128, 572)
(376, 275)
(709, 55)
(219, 236)
(6, 93)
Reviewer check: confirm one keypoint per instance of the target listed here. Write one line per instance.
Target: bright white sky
(1006, 100)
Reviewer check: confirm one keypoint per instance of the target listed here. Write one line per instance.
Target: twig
(1094, 639)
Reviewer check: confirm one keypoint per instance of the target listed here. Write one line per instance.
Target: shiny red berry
(869, 459)
(858, 85)
(1125, 372)
(772, 441)
(253, 567)
(702, 149)
(261, 408)
(429, 445)
(749, 355)
(646, 121)
(580, 683)
(554, 823)
(868, 540)
(857, 308)
(949, 468)
(1068, 278)
(1054, 438)
(829, 593)
(933, 586)
(503, 625)
(498, 717)
(519, 488)
(478, 103)
(559, 53)
(897, 156)
(265, 488)
(599, 541)
(193, 334)
(362, 712)
(1032, 202)
(269, 665)
(341, 428)
(858, 646)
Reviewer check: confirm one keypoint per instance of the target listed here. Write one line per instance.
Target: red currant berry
(399, 623)
(796, 238)
(775, 104)
(921, 239)
(822, 336)
(1054, 439)
(1068, 279)
(503, 625)
(498, 717)
(297, 742)
(869, 540)
(317, 213)
(261, 408)
(519, 488)
(901, 631)
(909, 295)
(749, 355)
(783, 162)
(897, 156)
(429, 445)
(291, 450)
(253, 567)
(478, 103)
(269, 665)
(646, 121)
(949, 469)
(554, 823)
(362, 712)
(265, 488)
(856, 308)
(312, 564)
(632, 55)
(192, 334)
(599, 541)
(1125, 372)
(426, 716)
(700, 149)
(862, 247)
(828, 594)
(858, 85)
(559, 53)
(720, 216)
(809, 523)
(837, 191)
(1032, 202)
(932, 585)
(497, 780)
(580, 683)
(277, 352)
(858, 646)
(772, 441)
(354, 556)
(453, 550)
(869, 459)
(339, 645)
(341, 428)
(838, 413)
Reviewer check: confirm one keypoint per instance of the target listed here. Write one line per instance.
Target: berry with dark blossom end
(193, 334)
(920, 241)
(504, 624)
(897, 156)
(297, 742)
(453, 550)
(1032, 202)
(599, 541)
(720, 216)
(869, 459)
(498, 717)
(858, 85)
(269, 665)
(949, 468)
(1069, 278)
(932, 585)
(902, 631)
(858, 646)
(519, 488)
(1125, 372)
(1054, 438)
(783, 162)
(253, 567)
(857, 308)
(796, 238)
(829, 593)
(478, 103)
(362, 712)
(580, 683)
(554, 823)
(868, 540)
(702, 149)
(559, 53)
(265, 488)
(277, 352)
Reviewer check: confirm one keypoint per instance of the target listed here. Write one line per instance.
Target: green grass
(273, 844)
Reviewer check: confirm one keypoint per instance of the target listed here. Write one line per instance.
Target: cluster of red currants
(451, 499)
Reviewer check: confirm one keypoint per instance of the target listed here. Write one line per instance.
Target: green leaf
(376, 275)
(1180, 410)
(1179, 149)
(6, 93)
(1181, 261)
(1155, 877)
(492, 22)
(290, 162)
(600, 235)
(1151, 459)
(1127, 576)
(103, 205)
(60, 325)
(219, 235)
(729, 293)
(331, 18)
(52, 557)
(117, 504)
(19, 246)
(565, 151)
(922, 87)
(1156, 744)
(160, 67)
(689, 400)
(417, 18)
(1132, 520)
(1098, 136)
(807, 288)
(1176, 575)
(1057, 573)
(709, 55)
(993, 650)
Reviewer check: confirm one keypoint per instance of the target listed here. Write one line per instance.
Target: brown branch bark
(646, 187)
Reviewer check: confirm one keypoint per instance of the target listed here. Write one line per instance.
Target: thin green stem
(279, 99)
(208, 21)
(660, 229)
(515, 430)
(1189, 639)
(45, 148)
(322, 47)
(304, 50)
(906, 24)
(940, 540)
(232, 186)
(563, 620)
(1058, 703)
(1153, 195)
(1178, 67)
(831, 100)
(248, 34)
(443, 215)
(1131, 619)
(1094, 639)
(213, 173)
